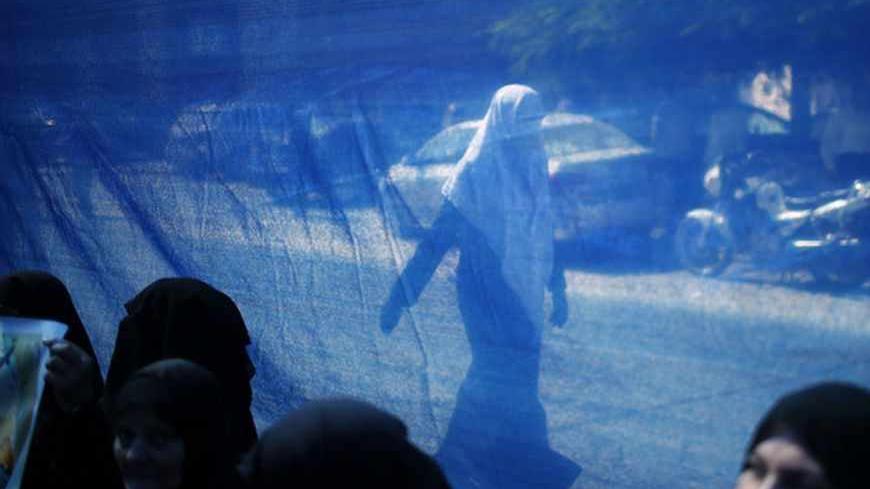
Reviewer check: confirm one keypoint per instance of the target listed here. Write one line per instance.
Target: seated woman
(71, 444)
(187, 318)
(340, 443)
(170, 429)
(815, 438)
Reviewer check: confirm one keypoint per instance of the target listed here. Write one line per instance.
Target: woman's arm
(420, 268)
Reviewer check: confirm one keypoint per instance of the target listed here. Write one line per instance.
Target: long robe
(496, 211)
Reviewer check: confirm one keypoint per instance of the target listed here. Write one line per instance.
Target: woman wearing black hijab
(170, 429)
(71, 438)
(187, 318)
(340, 443)
(815, 438)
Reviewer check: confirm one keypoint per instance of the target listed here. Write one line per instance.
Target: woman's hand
(72, 374)
(559, 314)
(558, 288)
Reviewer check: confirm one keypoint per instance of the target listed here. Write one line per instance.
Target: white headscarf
(501, 186)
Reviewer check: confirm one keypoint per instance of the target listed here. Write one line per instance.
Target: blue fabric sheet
(264, 147)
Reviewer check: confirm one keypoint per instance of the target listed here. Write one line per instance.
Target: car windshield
(448, 145)
(564, 135)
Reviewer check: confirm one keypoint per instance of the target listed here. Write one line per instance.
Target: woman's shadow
(497, 434)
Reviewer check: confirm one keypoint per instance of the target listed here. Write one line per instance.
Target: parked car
(601, 179)
(290, 152)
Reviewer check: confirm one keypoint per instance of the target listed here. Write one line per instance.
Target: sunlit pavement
(672, 370)
(656, 380)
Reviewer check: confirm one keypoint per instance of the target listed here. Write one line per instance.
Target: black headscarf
(67, 449)
(36, 294)
(187, 397)
(832, 422)
(187, 318)
(340, 443)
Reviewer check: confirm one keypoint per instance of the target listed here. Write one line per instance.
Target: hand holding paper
(23, 354)
(71, 374)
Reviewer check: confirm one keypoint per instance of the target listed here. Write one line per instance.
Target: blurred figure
(340, 443)
(187, 318)
(815, 438)
(171, 429)
(71, 445)
(496, 210)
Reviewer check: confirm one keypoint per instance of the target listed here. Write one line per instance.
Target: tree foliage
(688, 37)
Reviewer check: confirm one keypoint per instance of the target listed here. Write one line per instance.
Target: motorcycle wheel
(704, 243)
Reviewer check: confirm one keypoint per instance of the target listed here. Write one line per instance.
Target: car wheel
(704, 243)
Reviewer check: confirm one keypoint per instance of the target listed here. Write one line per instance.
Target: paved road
(655, 381)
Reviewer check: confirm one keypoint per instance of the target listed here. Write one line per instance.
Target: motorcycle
(826, 232)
